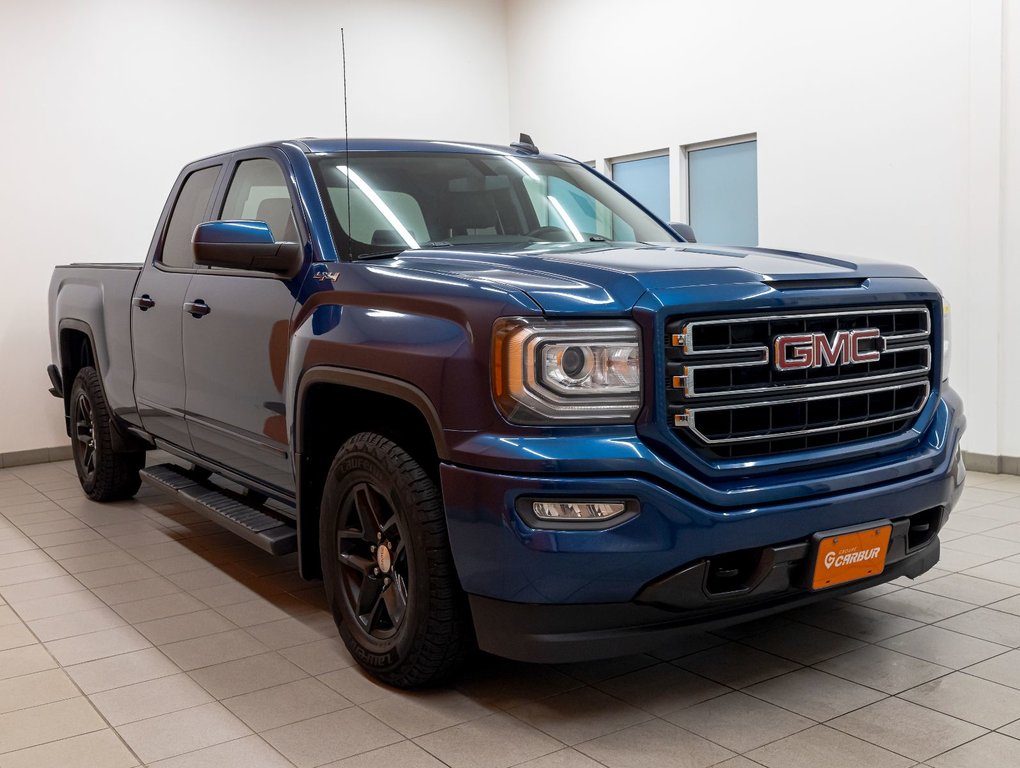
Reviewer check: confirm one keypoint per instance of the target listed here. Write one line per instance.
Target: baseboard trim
(34, 456)
(995, 465)
(976, 462)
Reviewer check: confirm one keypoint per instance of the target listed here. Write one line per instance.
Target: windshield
(386, 202)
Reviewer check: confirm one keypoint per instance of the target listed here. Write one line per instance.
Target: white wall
(1009, 393)
(102, 102)
(886, 128)
(879, 130)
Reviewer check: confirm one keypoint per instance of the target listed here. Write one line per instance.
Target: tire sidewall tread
(116, 476)
(434, 636)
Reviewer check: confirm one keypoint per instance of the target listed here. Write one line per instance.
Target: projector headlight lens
(558, 371)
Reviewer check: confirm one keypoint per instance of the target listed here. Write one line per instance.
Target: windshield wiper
(380, 254)
(398, 251)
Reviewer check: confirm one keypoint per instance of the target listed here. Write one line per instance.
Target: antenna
(347, 148)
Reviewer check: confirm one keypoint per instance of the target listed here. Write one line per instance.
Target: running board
(231, 510)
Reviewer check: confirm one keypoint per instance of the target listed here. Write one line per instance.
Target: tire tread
(446, 638)
(116, 475)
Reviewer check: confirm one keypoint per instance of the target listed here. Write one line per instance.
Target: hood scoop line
(811, 285)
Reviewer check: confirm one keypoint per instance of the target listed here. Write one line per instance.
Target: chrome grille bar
(726, 395)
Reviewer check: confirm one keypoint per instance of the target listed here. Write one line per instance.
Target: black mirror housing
(247, 245)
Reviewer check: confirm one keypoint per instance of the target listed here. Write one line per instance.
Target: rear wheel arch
(332, 405)
(77, 350)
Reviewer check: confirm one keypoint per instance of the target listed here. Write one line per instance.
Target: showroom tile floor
(138, 634)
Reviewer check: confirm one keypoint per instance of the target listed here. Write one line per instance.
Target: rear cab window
(189, 211)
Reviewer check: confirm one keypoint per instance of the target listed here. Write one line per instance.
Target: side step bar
(229, 509)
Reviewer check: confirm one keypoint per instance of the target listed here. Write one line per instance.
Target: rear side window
(189, 212)
(258, 192)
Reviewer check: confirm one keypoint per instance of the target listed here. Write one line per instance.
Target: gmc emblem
(813, 350)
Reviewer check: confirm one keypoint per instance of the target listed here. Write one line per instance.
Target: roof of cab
(333, 146)
(317, 146)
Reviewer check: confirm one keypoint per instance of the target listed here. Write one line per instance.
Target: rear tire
(103, 474)
(387, 566)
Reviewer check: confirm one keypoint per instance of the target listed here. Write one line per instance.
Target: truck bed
(96, 299)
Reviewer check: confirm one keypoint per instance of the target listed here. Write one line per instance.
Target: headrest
(472, 212)
(276, 212)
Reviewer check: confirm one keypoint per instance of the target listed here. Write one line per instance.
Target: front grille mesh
(727, 399)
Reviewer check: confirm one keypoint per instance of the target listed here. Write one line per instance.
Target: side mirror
(244, 245)
(684, 230)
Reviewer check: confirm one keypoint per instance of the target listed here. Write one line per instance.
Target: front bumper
(553, 634)
(589, 593)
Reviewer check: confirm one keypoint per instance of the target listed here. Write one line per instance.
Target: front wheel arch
(333, 404)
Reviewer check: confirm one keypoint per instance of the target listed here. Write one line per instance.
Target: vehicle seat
(277, 213)
(472, 212)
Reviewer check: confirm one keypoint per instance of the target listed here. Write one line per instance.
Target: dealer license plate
(844, 557)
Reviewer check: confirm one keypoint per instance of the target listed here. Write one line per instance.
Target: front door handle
(143, 302)
(197, 308)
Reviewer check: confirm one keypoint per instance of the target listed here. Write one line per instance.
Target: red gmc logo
(813, 350)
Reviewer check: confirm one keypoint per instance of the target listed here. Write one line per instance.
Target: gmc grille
(726, 397)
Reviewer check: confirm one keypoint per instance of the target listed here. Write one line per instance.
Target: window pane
(258, 192)
(648, 181)
(724, 193)
(410, 200)
(189, 212)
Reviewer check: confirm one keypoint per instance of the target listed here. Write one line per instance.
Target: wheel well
(330, 415)
(75, 353)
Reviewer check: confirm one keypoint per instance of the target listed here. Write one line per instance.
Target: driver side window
(258, 192)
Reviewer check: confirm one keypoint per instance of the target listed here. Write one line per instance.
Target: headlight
(946, 340)
(560, 371)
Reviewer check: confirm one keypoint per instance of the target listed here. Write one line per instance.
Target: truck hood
(610, 279)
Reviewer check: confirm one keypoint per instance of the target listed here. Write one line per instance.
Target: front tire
(103, 474)
(387, 566)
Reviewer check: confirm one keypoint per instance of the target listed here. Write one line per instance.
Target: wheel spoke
(368, 512)
(85, 434)
(85, 408)
(368, 596)
(395, 598)
(356, 562)
(372, 623)
(397, 548)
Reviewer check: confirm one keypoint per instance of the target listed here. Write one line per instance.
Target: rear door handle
(197, 308)
(144, 302)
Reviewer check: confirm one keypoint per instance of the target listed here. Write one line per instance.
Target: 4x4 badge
(324, 276)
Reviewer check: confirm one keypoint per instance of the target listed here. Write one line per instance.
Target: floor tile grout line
(665, 718)
(737, 640)
(563, 745)
(985, 730)
(87, 698)
(957, 717)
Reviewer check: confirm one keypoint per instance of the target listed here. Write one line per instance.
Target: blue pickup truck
(493, 402)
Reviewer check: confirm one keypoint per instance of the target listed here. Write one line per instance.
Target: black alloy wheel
(373, 560)
(84, 419)
(387, 568)
(106, 473)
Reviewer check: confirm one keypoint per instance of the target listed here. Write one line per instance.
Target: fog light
(577, 510)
